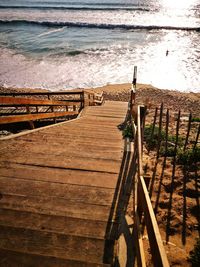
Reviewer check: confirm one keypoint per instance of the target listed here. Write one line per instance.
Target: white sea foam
(51, 31)
(90, 70)
(59, 49)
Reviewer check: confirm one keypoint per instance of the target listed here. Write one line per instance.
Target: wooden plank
(76, 193)
(82, 138)
(51, 223)
(51, 244)
(68, 150)
(55, 207)
(32, 117)
(105, 161)
(61, 176)
(157, 249)
(18, 259)
(16, 101)
(138, 242)
(78, 92)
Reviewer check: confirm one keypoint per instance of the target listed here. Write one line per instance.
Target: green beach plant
(128, 131)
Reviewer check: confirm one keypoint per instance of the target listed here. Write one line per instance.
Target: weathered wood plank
(55, 207)
(17, 101)
(51, 244)
(50, 223)
(61, 176)
(32, 117)
(76, 162)
(76, 193)
(17, 259)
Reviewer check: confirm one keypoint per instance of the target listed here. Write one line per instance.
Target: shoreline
(145, 94)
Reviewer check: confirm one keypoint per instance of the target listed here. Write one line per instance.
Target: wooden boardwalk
(57, 187)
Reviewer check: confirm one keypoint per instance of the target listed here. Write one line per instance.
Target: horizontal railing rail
(13, 101)
(42, 93)
(21, 106)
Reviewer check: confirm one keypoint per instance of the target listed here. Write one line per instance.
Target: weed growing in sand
(191, 156)
(195, 120)
(128, 131)
(152, 139)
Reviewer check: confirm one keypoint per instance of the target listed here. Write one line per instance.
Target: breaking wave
(96, 25)
(79, 8)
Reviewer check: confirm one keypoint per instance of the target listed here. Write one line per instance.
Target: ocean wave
(55, 24)
(80, 8)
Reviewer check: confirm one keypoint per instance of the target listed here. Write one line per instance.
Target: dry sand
(146, 94)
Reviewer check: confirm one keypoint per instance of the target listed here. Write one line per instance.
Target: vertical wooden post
(153, 126)
(172, 179)
(143, 117)
(52, 110)
(133, 88)
(197, 137)
(31, 123)
(188, 131)
(158, 153)
(82, 98)
(164, 161)
(160, 130)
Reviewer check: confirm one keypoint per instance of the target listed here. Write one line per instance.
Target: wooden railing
(143, 210)
(21, 107)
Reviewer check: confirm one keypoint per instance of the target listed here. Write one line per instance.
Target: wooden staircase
(58, 188)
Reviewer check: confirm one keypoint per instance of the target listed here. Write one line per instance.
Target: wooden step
(56, 175)
(18, 259)
(55, 206)
(55, 245)
(69, 192)
(106, 165)
(57, 224)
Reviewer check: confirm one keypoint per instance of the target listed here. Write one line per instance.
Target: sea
(64, 44)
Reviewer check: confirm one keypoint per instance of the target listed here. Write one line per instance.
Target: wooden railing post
(31, 123)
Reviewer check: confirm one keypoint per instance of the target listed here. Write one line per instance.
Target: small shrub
(195, 119)
(188, 157)
(194, 257)
(152, 142)
(169, 153)
(128, 131)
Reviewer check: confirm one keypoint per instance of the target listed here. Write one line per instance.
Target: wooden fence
(142, 204)
(21, 107)
(143, 213)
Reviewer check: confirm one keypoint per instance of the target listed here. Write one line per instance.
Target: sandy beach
(146, 94)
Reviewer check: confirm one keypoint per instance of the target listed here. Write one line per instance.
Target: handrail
(12, 101)
(98, 98)
(33, 117)
(42, 93)
(143, 205)
(27, 108)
